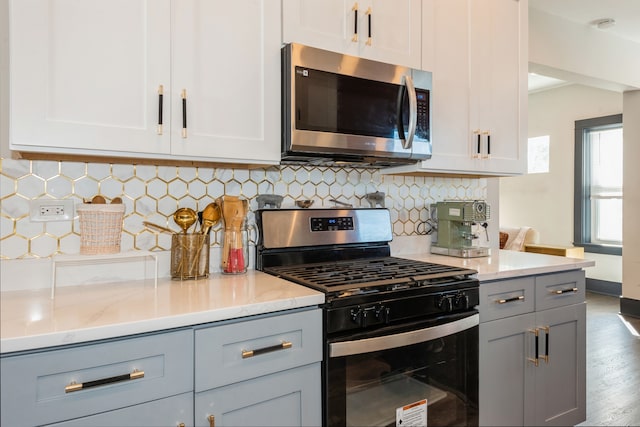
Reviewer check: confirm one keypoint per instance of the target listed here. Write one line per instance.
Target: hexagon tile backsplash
(153, 193)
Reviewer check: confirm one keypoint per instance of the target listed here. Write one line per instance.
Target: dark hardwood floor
(613, 364)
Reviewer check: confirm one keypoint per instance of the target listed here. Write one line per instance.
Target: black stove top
(369, 275)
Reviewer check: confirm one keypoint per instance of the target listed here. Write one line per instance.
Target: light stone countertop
(507, 264)
(31, 319)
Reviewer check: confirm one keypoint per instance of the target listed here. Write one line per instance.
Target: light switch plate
(41, 210)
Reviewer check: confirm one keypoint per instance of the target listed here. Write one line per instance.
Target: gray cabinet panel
(505, 381)
(171, 411)
(34, 385)
(219, 349)
(506, 298)
(560, 382)
(288, 398)
(560, 289)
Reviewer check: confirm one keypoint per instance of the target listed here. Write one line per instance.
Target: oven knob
(357, 315)
(462, 300)
(382, 313)
(445, 303)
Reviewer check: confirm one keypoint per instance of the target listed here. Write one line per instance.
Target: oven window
(367, 389)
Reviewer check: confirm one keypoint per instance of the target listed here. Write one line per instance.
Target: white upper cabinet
(226, 58)
(84, 75)
(86, 78)
(382, 30)
(479, 91)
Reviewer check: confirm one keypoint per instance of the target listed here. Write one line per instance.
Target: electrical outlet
(51, 210)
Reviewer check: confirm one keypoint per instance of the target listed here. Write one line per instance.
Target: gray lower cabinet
(82, 381)
(533, 351)
(260, 372)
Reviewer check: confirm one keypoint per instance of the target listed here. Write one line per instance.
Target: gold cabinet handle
(506, 300)
(368, 13)
(535, 360)
(487, 155)
(282, 346)
(477, 140)
(73, 386)
(354, 9)
(564, 291)
(212, 421)
(182, 425)
(184, 113)
(160, 107)
(546, 344)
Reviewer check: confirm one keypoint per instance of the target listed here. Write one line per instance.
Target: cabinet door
(173, 411)
(498, 82)
(451, 104)
(506, 386)
(479, 87)
(287, 398)
(85, 75)
(333, 25)
(561, 380)
(375, 29)
(226, 58)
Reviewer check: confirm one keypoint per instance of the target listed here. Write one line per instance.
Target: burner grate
(369, 273)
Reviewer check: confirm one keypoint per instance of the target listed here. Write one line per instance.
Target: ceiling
(626, 14)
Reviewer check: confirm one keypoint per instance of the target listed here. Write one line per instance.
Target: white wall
(545, 201)
(631, 197)
(581, 53)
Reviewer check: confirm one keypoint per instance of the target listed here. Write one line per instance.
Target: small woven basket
(100, 228)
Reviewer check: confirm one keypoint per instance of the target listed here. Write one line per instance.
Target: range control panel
(332, 224)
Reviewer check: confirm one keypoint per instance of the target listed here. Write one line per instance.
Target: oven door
(373, 379)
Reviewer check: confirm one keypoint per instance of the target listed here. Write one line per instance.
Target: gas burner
(345, 278)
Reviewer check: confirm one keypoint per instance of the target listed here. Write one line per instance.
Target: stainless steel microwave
(340, 109)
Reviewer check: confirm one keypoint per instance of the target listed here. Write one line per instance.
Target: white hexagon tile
(153, 193)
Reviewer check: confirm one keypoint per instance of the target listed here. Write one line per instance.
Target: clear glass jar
(235, 250)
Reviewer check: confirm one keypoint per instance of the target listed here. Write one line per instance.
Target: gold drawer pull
(564, 291)
(282, 346)
(504, 301)
(74, 386)
(212, 421)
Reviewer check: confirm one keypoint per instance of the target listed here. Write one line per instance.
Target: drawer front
(171, 411)
(57, 385)
(223, 353)
(558, 289)
(504, 298)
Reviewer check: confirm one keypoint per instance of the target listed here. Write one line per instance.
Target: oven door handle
(348, 348)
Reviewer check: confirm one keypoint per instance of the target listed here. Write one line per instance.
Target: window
(598, 184)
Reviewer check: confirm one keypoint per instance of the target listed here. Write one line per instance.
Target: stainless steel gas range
(401, 336)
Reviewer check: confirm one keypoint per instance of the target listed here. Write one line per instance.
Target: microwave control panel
(422, 97)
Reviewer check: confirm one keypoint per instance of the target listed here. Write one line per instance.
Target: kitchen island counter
(507, 264)
(31, 319)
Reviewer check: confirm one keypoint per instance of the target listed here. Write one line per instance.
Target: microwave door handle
(402, 90)
(413, 113)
